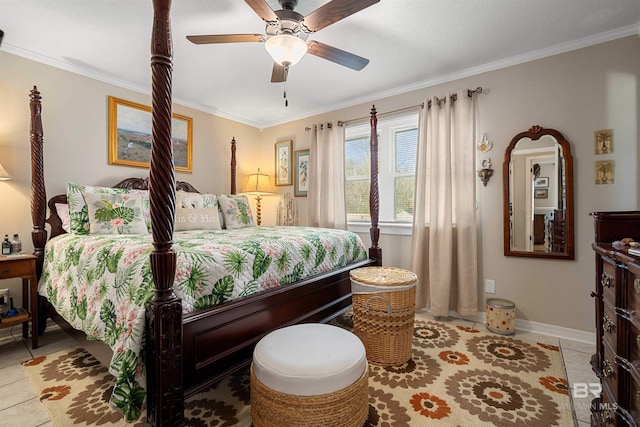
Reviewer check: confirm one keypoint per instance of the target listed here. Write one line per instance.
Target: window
(397, 148)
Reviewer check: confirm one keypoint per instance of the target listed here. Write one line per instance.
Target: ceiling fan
(287, 32)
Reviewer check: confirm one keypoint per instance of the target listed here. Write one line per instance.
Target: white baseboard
(538, 328)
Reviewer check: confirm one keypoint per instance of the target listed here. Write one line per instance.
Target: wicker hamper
(384, 302)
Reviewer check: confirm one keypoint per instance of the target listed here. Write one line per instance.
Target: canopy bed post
(38, 193)
(233, 165)
(165, 398)
(375, 252)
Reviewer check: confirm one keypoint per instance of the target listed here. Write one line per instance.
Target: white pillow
(237, 211)
(115, 213)
(63, 213)
(197, 219)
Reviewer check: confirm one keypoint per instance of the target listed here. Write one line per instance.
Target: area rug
(457, 376)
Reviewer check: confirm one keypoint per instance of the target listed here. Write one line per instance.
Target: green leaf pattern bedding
(101, 283)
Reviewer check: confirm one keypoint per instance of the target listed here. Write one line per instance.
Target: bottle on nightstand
(6, 245)
(16, 245)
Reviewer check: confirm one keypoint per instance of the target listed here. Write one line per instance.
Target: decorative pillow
(78, 214)
(115, 213)
(236, 211)
(63, 213)
(197, 219)
(185, 199)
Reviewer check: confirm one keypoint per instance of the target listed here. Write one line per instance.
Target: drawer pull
(607, 417)
(636, 285)
(607, 370)
(607, 324)
(5, 271)
(606, 280)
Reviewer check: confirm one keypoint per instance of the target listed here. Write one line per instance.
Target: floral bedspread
(101, 283)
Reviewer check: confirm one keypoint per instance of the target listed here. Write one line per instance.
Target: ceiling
(410, 44)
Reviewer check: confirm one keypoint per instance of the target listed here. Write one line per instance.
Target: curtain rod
(454, 96)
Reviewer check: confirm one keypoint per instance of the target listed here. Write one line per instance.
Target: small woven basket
(348, 407)
(384, 304)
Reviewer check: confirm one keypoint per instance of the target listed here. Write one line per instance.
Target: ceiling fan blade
(227, 38)
(262, 9)
(279, 73)
(334, 11)
(336, 55)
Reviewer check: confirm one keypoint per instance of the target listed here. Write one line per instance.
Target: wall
(576, 93)
(75, 123)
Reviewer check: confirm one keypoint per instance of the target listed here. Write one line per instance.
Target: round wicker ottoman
(384, 305)
(309, 375)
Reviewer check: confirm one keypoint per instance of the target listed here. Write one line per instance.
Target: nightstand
(24, 267)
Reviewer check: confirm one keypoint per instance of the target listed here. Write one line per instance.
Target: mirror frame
(535, 133)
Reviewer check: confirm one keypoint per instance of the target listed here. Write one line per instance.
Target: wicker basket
(384, 302)
(348, 407)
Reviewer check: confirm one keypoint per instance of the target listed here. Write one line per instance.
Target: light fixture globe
(286, 49)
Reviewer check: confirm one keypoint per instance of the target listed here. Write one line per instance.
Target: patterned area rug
(456, 376)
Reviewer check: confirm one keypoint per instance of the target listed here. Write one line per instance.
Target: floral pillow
(185, 199)
(115, 213)
(236, 211)
(197, 219)
(78, 213)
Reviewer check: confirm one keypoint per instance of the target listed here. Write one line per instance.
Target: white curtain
(444, 243)
(326, 197)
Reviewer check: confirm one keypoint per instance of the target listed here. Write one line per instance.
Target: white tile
(31, 413)
(16, 393)
(11, 374)
(13, 353)
(578, 346)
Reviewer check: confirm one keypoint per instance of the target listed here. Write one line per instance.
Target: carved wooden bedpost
(38, 193)
(233, 165)
(375, 252)
(165, 394)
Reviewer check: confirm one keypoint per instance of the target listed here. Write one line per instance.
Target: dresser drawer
(610, 371)
(17, 267)
(633, 290)
(610, 281)
(610, 327)
(634, 402)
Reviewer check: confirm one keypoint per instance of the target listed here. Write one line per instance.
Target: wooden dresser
(617, 295)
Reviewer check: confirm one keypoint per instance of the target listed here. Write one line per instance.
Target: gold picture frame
(603, 141)
(283, 162)
(130, 136)
(604, 171)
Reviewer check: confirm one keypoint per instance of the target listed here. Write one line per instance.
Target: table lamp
(258, 185)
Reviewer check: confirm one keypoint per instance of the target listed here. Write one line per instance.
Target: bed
(186, 351)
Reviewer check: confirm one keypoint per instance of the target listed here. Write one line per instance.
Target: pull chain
(286, 101)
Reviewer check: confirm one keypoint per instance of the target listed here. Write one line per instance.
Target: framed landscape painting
(301, 181)
(130, 136)
(283, 162)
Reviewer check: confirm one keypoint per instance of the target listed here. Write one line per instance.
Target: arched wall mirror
(538, 195)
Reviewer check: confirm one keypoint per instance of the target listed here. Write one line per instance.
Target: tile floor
(20, 406)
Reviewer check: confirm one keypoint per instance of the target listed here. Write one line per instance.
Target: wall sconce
(486, 172)
(258, 185)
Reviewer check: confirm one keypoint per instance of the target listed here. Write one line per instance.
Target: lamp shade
(3, 174)
(286, 49)
(258, 184)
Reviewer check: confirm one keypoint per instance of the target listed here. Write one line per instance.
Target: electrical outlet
(5, 293)
(489, 286)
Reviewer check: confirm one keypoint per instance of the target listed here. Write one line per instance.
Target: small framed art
(283, 162)
(603, 140)
(301, 179)
(541, 182)
(542, 193)
(130, 136)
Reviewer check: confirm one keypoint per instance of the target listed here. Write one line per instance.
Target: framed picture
(130, 136)
(604, 170)
(283, 162)
(603, 140)
(301, 181)
(542, 182)
(541, 193)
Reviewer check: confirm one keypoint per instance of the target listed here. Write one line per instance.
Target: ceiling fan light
(285, 48)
